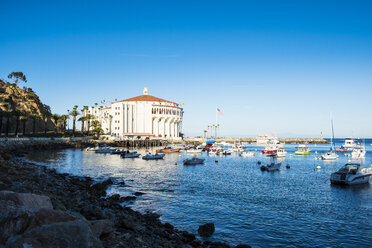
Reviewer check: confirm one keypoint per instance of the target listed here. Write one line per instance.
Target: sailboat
(331, 154)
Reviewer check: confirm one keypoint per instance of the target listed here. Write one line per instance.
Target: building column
(161, 127)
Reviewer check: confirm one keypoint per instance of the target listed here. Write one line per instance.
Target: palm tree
(34, 117)
(205, 132)
(56, 118)
(74, 113)
(97, 127)
(82, 119)
(64, 120)
(217, 126)
(45, 116)
(89, 117)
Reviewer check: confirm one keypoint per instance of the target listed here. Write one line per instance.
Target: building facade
(144, 115)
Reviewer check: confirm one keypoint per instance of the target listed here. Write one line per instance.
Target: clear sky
(271, 66)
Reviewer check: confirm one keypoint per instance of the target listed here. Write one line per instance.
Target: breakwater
(254, 140)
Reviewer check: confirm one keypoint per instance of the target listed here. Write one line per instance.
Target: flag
(219, 111)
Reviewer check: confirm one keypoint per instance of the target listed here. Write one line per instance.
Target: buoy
(263, 168)
(288, 166)
(259, 162)
(318, 167)
(216, 161)
(316, 151)
(175, 163)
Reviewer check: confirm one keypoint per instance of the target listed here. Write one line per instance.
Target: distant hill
(24, 105)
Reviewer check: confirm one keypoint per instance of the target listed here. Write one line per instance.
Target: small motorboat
(93, 149)
(329, 156)
(130, 155)
(118, 151)
(271, 167)
(351, 174)
(193, 161)
(302, 150)
(155, 156)
(168, 150)
(341, 149)
(281, 152)
(248, 154)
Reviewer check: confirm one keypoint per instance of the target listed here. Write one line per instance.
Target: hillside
(24, 103)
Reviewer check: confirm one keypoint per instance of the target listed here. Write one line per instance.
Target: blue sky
(270, 66)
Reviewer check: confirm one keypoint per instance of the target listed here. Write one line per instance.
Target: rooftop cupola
(145, 91)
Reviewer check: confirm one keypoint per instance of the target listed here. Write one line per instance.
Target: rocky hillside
(23, 102)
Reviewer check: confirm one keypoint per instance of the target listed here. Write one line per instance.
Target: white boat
(358, 152)
(92, 149)
(329, 156)
(155, 156)
(193, 152)
(349, 144)
(130, 155)
(248, 154)
(351, 174)
(281, 152)
(193, 161)
(271, 167)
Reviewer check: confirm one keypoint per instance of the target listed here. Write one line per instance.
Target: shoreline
(80, 199)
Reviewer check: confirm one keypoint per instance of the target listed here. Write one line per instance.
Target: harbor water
(295, 207)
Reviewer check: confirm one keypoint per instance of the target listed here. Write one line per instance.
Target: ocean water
(296, 207)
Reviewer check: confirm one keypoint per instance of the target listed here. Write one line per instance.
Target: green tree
(17, 77)
(46, 114)
(8, 115)
(88, 117)
(97, 129)
(56, 118)
(74, 113)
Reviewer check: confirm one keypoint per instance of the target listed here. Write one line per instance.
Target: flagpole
(215, 128)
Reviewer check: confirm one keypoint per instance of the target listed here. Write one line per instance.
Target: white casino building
(145, 116)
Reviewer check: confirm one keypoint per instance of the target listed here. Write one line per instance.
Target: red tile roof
(145, 98)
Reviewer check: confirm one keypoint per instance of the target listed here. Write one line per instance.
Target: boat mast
(333, 134)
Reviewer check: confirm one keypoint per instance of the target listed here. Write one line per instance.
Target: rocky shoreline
(42, 208)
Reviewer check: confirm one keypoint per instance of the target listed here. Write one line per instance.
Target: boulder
(67, 234)
(138, 193)
(26, 200)
(100, 188)
(14, 220)
(206, 230)
(101, 228)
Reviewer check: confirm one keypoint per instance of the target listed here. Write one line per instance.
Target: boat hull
(168, 150)
(302, 153)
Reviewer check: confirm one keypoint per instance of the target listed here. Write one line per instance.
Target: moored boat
(155, 156)
(281, 152)
(271, 167)
(168, 150)
(193, 161)
(248, 154)
(302, 150)
(130, 155)
(351, 174)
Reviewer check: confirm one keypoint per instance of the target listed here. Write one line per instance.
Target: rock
(91, 212)
(168, 226)
(206, 230)
(101, 228)
(218, 245)
(26, 200)
(101, 188)
(127, 198)
(243, 246)
(138, 193)
(68, 234)
(14, 220)
(115, 197)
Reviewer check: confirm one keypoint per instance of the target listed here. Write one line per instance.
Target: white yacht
(358, 152)
(351, 174)
(349, 144)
